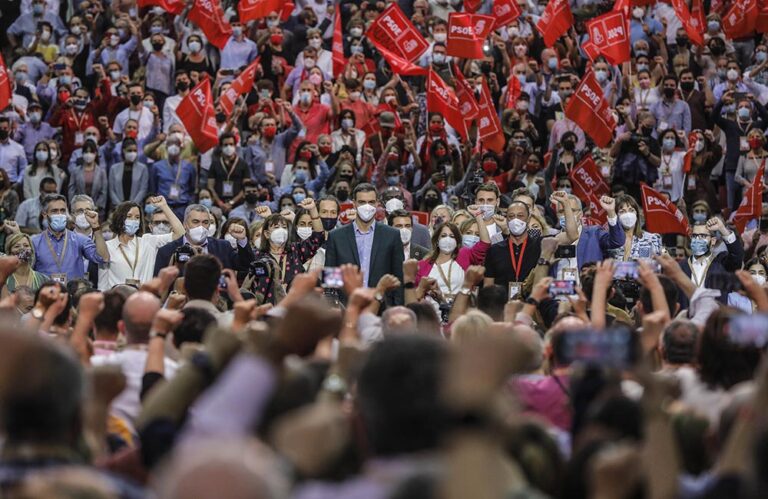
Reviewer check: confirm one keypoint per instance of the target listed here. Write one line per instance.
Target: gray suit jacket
(98, 190)
(139, 184)
(421, 236)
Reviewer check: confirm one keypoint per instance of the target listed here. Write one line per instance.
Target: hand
(643, 148)
(579, 304)
(176, 301)
(360, 299)
(103, 122)
(647, 276)
(47, 297)
(308, 204)
(474, 276)
(609, 205)
(89, 306)
(11, 227)
(263, 211)
(669, 265)
(246, 311)
(511, 309)
(392, 141)
(288, 214)
(410, 269)
(616, 471)
(388, 282)
(93, 218)
(752, 288)
(559, 197)
(548, 247)
(540, 290)
(426, 285)
(287, 106)
(501, 223)
(167, 276)
(166, 320)
(653, 325)
(238, 232)
(158, 202)
(716, 224)
(352, 278)
(604, 273)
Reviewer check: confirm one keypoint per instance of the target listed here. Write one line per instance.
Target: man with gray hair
(197, 220)
(78, 206)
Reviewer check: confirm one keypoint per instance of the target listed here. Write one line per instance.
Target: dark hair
(722, 363)
(491, 300)
(399, 395)
(670, 293)
(436, 239)
(112, 312)
(193, 326)
(328, 197)
(117, 223)
(363, 187)
(201, 277)
(227, 135)
(270, 222)
(679, 340)
(397, 214)
(47, 181)
(489, 187)
(237, 221)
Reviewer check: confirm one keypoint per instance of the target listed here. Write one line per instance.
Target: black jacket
(239, 259)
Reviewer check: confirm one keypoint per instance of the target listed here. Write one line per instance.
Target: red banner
(761, 24)
(251, 10)
(6, 92)
(207, 14)
(196, 113)
(555, 21)
(588, 109)
(467, 104)
(467, 33)
(171, 6)
(609, 34)
(751, 206)
(442, 99)
(698, 21)
(589, 186)
(339, 61)
(241, 85)
(505, 12)
(396, 33)
(514, 89)
(741, 19)
(399, 65)
(695, 33)
(488, 124)
(661, 214)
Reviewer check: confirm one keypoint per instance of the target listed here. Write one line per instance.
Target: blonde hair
(470, 326)
(15, 238)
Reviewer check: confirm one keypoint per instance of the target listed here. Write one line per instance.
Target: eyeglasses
(700, 236)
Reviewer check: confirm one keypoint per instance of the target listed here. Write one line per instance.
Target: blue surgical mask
(300, 177)
(207, 202)
(131, 227)
(642, 67)
(713, 25)
(149, 209)
(669, 144)
(393, 180)
(761, 56)
(299, 197)
(729, 108)
(57, 222)
(744, 113)
(468, 240)
(699, 217)
(552, 63)
(562, 222)
(699, 246)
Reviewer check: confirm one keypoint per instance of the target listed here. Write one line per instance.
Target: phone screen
(561, 288)
(611, 348)
(332, 278)
(749, 330)
(625, 270)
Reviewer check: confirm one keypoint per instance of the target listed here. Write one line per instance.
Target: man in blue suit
(593, 242)
(196, 222)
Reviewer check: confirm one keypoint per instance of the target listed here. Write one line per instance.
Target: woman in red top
(73, 114)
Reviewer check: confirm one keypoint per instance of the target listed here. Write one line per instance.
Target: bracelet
(157, 334)
(409, 285)
(532, 301)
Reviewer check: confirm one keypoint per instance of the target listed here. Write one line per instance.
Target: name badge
(691, 183)
(228, 188)
(61, 278)
(515, 290)
(605, 171)
(666, 181)
(663, 125)
(569, 274)
(133, 282)
(175, 191)
(269, 167)
(79, 138)
(559, 115)
(743, 144)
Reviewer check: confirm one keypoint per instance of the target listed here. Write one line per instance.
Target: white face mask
(89, 157)
(278, 236)
(81, 222)
(394, 204)
(161, 229)
(304, 232)
(131, 156)
(517, 226)
(198, 234)
(628, 219)
(488, 210)
(732, 75)
(211, 230)
(759, 279)
(446, 245)
(231, 239)
(366, 212)
(228, 150)
(405, 235)
(440, 37)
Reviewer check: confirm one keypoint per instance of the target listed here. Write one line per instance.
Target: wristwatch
(409, 285)
(465, 291)
(378, 296)
(532, 301)
(157, 334)
(544, 262)
(38, 314)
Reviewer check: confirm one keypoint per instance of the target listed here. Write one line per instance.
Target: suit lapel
(353, 243)
(374, 249)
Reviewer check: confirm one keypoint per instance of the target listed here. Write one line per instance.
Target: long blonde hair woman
(20, 245)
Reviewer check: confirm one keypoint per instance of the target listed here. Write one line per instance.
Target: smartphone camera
(562, 288)
(223, 282)
(332, 278)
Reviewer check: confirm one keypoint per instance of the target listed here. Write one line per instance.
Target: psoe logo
(480, 26)
(393, 26)
(410, 46)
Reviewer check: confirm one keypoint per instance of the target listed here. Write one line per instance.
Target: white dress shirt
(119, 268)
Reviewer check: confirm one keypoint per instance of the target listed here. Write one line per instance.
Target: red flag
(590, 50)
(171, 6)
(751, 206)
(505, 12)
(514, 89)
(467, 33)
(588, 109)
(207, 14)
(286, 11)
(396, 33)
(555, 21)
(610, 35)
(196, 113)
(741, 19)
(588, 185)
(621, 6)
(241, 85)
(761, 24)
(442, 99)
(661, 215)
(698, 21)
(692, 139)
(339, 61)
(398, 64)
(6, 92)
(250, 10)
(488, 124)
(695, 33)
(471, 6)
(467, 103)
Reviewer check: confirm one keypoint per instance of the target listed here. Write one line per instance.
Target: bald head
(139, 310)
(532, 339)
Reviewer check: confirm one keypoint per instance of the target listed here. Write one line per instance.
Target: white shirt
(169, 112)
(453, 273)
(119, 269)
(131, 361)
(143, 116)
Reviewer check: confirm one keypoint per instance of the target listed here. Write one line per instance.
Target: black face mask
(136, 99)
(251, 198)
(669, 92)
(3, 134)
(182, 86)
(681, 42)
(646, 130)
(764, 224)
(158, 46)
(717, 50)
(431, 202)
(348, 178)
(569, 145)
(220, 117)
(342, 194)
(328, 223)
(686, 85)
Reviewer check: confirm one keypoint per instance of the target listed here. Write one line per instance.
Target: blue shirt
(78, 247)
(364, 241)
(163, 175)
(28, 135)
(13, 160)
(238, 54)
(121, 53)
(677, 116)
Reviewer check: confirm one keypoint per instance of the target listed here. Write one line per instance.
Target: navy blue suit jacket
(239, 259)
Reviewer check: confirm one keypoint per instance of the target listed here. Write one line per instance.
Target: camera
(261, 267)
(24, 255)
(183, 253)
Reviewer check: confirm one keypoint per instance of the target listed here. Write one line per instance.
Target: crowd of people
(347, 296)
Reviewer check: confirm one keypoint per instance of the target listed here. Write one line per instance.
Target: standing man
(59, 252)
(376, 248)
(671, 112)
(174, 178)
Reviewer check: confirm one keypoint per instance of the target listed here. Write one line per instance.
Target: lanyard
(517, 266)
(56, 259)
(700, 282)
(447, 280)
(78, 123)
(223, 162)
(136, 257)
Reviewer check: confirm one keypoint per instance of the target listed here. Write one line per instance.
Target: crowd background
(346, 294)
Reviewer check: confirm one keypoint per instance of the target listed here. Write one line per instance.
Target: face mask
(730, 108)
(759, 279)
(743, 113)
(315, 79)
(276, 40)
(306, 98)
(366, 212)
(299, 177)
(569, 145)
(755, 143)
(231, 240)
(57, 222)
(197, 234)
(369, 84)
(628, 219)
(522, 105)
(325, 150)
(251, 198)
(566, 190)
(438, 58)
(298, 197)
(347, 123)
(89, 157)
(114, 75)
(81, 222)
(405, 235)
(316, 43)
(642, 67)
(468, 240)
(393, 204)
(136, 99)
(211, 230)
(601, 75)
(131, 227)
(637, 13)
(699, 145)
(669, 93)
(681, 42)
(761, 56)
(158, 46)
(732, 74)
(342, 194)
(699, 217)
(446, 245)
(440, 37)
(304, 232)
(195, 47)
(278, 236)
(37, 9)
(270, 131)
(328, 223)
(686, 85)
(4, 134)
(207, 202)
(114, 40)
(237, 31)
(173, 150)
(356, 32)
(228, 151)
(393, 180)
(517, 226)
(160, 229)
(41, 155)
(713, 25)
(699, 246)
(668, 144)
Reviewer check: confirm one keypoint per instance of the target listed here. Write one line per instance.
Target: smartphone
(332, 278)
(749, 330)
(562, 288)
(222, 281)
(565, 251)
(609, 348)
(625, 270)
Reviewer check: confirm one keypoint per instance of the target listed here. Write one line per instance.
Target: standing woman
(671, 168)
(706, 155)
(89, 177)
(20, 245)
(131, 252)
(41, 167)
(637, 242)
(9, 203)
(750, 163)
(450, 258)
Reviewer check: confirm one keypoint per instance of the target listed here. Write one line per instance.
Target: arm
(472, 278)
(571, 227)
(177, 227)
(603, 278)
(100, 249)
